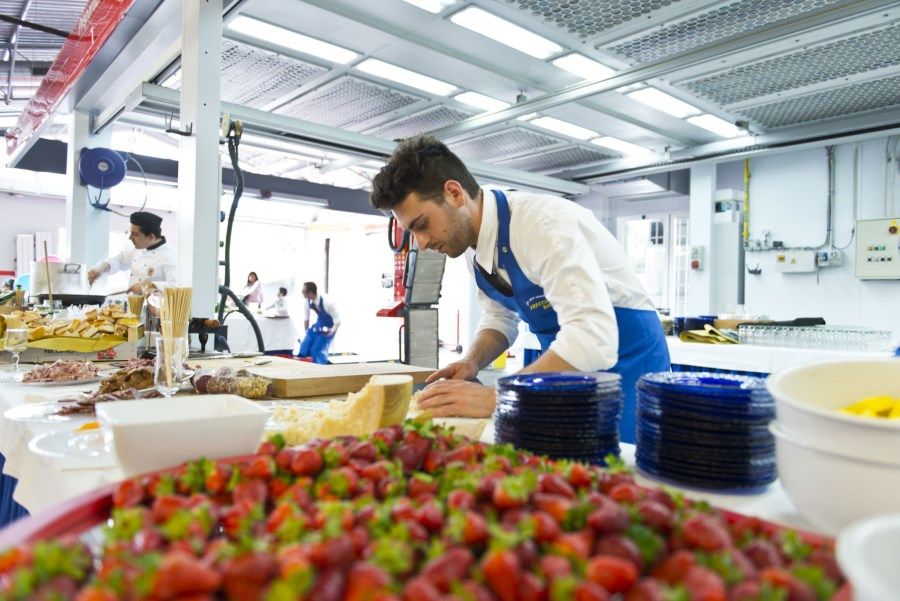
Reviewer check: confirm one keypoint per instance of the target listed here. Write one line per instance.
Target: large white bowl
(867, 552)
(830, 489)
(158, 433)
(808, 400)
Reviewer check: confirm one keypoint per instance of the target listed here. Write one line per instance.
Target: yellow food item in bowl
(882, 406)
(88, 426)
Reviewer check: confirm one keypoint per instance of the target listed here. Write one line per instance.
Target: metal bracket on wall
(181, 132)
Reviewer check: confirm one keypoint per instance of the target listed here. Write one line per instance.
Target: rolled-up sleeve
(559, 256)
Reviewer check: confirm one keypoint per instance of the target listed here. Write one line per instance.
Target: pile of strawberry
(416, 513)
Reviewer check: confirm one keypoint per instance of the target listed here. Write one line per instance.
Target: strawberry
(365, 581)
(609, 517)
(293, 559)
(253, 490)
(475, 529)
(656, 515)
(575, 545)
(546, 528)
(466, 453)
(181, 573)
(419, 487)
(674, 567)
(580, 476)
(661, 496)
(434, 461)
(475, 591)
(166, 505)
(332, 553)
(376, 471)
(555, 484)
(364, 450)
(501, 571)
(553, 567)
(620, 546)
(329, 586)
(647, 589)
(613, 573)
(267, 447)
(590, 591)
(704, 585)
(531, 588)
(430, 515)
(261, 466)
(96, 593)
(556, 505)
(285, 457)
(705, 532)
(749, 590)
(626, 492)
(449, 568)
(128, 493)
(412, 451)
(306, 462)
(763, 554)
(460, 499)
(780, 578)
(420, 589)
(246, 577)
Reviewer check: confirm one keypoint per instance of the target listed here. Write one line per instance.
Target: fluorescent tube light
(583, 67)
(291, 40)
(432, 6)
(528, 117)
(666, 103)
(622, 146)
(716, 125)
(485, 103)
(373, 66)
(505, 32)
(564, 127)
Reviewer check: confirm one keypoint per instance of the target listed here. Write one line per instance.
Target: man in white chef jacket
(151, 261)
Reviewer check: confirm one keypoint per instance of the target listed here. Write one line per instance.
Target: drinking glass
(168, 371)
(15, 341)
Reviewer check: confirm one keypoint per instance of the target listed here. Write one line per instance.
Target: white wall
(788, 194)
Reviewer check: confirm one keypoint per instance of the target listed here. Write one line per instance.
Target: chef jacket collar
(486, 245)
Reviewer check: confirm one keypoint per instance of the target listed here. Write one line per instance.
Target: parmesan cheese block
(397, 393)
(378, 403)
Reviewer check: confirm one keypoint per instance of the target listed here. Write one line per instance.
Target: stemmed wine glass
(15, 341)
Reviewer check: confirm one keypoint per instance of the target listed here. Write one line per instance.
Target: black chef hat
(148, 222)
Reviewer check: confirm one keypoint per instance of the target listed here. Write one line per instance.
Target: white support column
(199, 170)
(87, 228)
(702, 209)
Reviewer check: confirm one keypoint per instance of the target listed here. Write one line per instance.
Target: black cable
(225, 292)
(35, 26)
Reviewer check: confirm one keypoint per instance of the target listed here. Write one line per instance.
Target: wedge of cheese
(383, 401)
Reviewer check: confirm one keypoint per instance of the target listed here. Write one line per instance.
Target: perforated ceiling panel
(858, 98)
(849, 56)
(712, 26)
(557, 159)
(434, 118)
(514, 141)
(253, 77)
(587, 18)
(347, 102)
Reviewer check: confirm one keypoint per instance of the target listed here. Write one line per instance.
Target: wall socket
(829, 258)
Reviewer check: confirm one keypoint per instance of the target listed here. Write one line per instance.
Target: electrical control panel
(795, 261)
(878, 249)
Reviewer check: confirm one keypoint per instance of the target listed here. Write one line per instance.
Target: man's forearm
(487, 346)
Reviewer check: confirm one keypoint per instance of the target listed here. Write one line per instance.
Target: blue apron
(315, 343)
(642, 345)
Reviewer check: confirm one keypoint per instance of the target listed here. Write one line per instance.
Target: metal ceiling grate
(428, 120)
(557, 159)
(846, 57)
(253, 77)
(587, 18)
(34, 45)
(346, 102)
(721, 23)
(506, 143)
(857, 98)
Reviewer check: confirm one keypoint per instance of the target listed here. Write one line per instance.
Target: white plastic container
(808, 400)
(867, 552)
(830, 489)
(158, 433)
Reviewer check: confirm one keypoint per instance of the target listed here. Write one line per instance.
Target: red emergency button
(892, 229)
(695, 264)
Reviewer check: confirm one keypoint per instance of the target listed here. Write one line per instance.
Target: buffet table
(278, 333)
(45, 481)
(753, 359)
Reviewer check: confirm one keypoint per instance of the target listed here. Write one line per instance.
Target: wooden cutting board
(306, 379)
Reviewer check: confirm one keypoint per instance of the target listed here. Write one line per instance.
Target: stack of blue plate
(706, 430)
(562, 415)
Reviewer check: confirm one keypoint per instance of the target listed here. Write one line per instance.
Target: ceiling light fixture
(528, 117)
(626, 148)
(507, 33)
(583, 67)
(716, 125)
(432, 6)
(485, 103)
(291, 40)
(373, 66)
(564, 127)
(666, 103)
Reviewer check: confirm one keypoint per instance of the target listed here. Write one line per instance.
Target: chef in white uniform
(151, 261)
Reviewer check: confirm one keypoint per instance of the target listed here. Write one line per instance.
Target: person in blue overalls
(320, 335)
(537, 258)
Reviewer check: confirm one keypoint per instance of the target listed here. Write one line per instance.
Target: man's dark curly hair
(421, 165)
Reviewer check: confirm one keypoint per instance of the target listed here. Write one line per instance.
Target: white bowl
(830, 489)
(158, 433)
(808, 400)
(867, 552)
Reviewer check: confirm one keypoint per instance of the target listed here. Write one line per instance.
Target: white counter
(748, 357)
(278, 333)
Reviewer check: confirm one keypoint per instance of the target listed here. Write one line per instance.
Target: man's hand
(93, 274)
(138, 288)
(464, 369)
(457, 398)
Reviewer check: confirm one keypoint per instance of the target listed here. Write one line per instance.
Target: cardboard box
(122, 351)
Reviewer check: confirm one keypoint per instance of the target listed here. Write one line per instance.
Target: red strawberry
(704, 585)
(430, 515)
(475, 529)
(609, 517)
(246, 577)
(261, 466)
(449, 568)
(329, 586)
(779, 578)
(580, 476)
(96, 593)
(465, 453)
(546, 528)
(553, 567)
(475, 591)
(501, 570)
(306, 462)
(181, 573)
(461, 499)
(253, 490)
(531, 588)
(705, 532)
(412, 451)
(590, 591)
(128, 493)
(364, 581)
(615, 574)
(674, 567)
(656, 515)
(556, 505)
(646, 589)
(364, 450)
(620, 546)
(434, 460)
(420, 487)
(555, 484)
(166, 505)
(332, 553)
(763, 554)
(574, 544)
(376, 471)
(626, 492)
(420, 589)
(745, 591)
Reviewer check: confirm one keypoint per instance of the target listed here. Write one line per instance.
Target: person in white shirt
(538, 258)
(320, 335)
(279, 307)
(151, 261)
(252, 292)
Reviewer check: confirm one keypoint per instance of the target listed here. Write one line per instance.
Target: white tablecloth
(45, 481)
(748, 357)
(279, 333)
